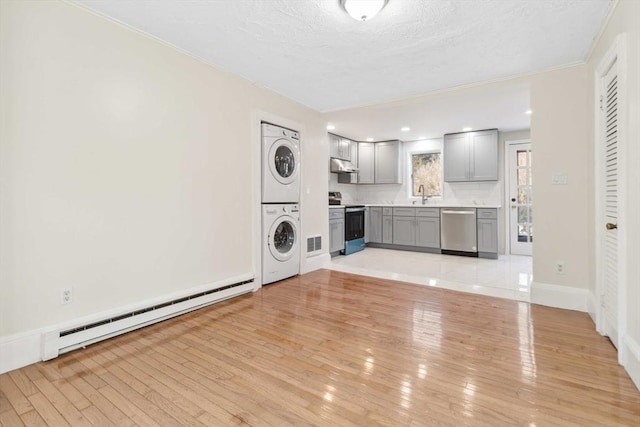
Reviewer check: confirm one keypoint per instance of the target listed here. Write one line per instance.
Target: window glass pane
(523, 192)
(522, 158)
(523, 176)
(426, 171)
(524, 214)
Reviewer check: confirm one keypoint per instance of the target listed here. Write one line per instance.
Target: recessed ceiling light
(330, 127)
(405, 129)
(422, 137)
(528, 112)
(466, 129)
(369, 139)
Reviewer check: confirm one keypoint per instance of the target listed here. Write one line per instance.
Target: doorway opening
(519, 184)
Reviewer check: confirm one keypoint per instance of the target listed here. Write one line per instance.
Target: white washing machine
(280, 242)
(280, 165)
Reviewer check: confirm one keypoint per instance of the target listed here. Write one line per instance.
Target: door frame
(507, 186)
(615, 54)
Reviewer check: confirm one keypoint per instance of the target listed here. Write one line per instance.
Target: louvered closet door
(609, 113)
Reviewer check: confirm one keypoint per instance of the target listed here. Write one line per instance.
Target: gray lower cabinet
(487, 233)
(375, 225)
(404, 230)
(387, 225)
(428, 232)
(416, 227)
(336, 230)
(404, 226)
(367, 225)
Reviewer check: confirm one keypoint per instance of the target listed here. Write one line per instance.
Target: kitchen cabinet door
(428, 232)
(387, 168)
(488, 236)
(387, 229)
(339, 147)
(404, 230)
(334, 146)
(483, 156)
(471, 156)
(456, 157)
(336, 235)
(375, 225)
(366, 163)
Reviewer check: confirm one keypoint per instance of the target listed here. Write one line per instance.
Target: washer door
(283, 161)
(282, 238)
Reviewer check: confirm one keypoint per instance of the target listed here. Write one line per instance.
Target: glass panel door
(520, 199)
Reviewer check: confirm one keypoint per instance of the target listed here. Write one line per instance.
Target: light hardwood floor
(332, 348)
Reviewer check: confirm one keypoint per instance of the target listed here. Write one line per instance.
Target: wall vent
(61, 341)
(314, 245)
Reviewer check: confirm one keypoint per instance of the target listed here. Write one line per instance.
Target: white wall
(125, 166)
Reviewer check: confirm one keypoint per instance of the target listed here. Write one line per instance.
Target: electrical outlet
(66, 296)
(560, 268)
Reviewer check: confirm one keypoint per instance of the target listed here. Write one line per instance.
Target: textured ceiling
(311, 51)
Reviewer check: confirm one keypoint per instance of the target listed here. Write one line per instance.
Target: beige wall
(624, 20)
(559, 133)
(125, 167)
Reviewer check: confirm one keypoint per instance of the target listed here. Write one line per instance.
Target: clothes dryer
(280, 242)
(280, 165)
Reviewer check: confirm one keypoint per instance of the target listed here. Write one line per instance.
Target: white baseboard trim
(592, 304)
(25, 348)
(566, 297)
(19, 350)
(632, 357)
(315, 263)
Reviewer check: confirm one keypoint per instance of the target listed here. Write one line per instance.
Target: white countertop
(418, 205)
(432, 205)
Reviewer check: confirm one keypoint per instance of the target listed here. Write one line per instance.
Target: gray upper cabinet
(456, 157)
(379, 162)
(387, 163)
(339, 147)
(471, 156)
(366, 163)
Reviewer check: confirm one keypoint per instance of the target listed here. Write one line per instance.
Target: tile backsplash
(471, 193)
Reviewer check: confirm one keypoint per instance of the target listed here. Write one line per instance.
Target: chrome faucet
(424, 197)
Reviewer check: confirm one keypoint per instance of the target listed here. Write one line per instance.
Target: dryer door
(283, 161)
(282, 238)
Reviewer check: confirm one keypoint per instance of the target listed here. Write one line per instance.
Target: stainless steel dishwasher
(458, 233)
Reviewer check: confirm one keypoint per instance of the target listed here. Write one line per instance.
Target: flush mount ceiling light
(405, 129)
(363, 10)
(330, 127)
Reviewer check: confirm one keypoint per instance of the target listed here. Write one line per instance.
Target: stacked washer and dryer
(280, 203)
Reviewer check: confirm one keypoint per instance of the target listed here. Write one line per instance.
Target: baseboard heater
(56, 342)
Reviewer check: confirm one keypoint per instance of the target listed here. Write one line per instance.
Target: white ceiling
(311, 51)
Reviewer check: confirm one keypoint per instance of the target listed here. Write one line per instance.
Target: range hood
(341, 166)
